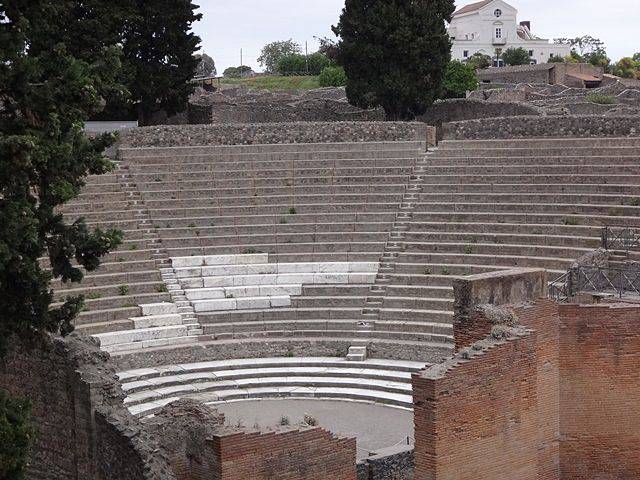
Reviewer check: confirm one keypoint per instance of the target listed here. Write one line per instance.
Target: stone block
(214, 305)
(197, 282)
(205, 294)
(224, 270)
(301, 278)
(363, 267)
(212, 260)
(209, 282)
(188, 272)
(332, 267)
(329, 278)
(280, 301)
(252, 303)
(158, 309)
(184, 262)
(362, 278)
(157, 321)
(252, 280)
(275, 290)
(262, 268)
(246, 291)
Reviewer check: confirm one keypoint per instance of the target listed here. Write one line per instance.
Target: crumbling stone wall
(270, 133)
(546, 126)
(455, 110)
(83, 430)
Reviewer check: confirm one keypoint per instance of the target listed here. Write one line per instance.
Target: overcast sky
(229, 25)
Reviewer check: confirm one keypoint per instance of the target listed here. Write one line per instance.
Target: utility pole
(240, 57)
(306, 56)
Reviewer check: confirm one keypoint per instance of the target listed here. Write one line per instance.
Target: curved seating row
(381, 381)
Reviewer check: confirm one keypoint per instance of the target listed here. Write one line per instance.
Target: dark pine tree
(395, 53)
(160, 60)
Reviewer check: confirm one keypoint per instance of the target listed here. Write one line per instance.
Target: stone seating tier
(384, 381)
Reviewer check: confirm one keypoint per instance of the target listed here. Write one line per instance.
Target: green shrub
(249, 251)
(479, 61)
(332, 77)
(297, 64)
(16, 434)
(123, 290)
(458, 80)
(516, 56)
(293, 211)
(556, 59)
(601, 99)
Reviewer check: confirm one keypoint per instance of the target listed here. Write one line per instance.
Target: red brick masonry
(313, 454)
(558, 400)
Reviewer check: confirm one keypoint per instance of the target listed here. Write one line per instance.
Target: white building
(490, 27)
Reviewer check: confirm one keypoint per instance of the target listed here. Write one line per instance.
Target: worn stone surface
(270, 133)
(580, 126)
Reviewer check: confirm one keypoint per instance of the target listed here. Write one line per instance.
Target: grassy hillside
(275, 83)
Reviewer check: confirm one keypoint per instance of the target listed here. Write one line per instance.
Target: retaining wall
(546, 126)
(273, 133)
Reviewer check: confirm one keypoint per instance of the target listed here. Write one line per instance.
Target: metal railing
(618, 281)
(622, 238)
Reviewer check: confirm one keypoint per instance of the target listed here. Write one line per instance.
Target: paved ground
(374, 426)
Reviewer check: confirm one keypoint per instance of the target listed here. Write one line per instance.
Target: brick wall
(83, 431)
(479, 418)
(312, 454)
(558, 400)
(600, 392)
(492, 411)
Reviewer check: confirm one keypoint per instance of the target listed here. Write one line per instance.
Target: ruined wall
(270, 133)
(395, 463)
(524, 74)
(543, 126)
(455, 110)
(492, 288)
(492, 411)
(68, 381)
(555, 398)
(312, 454)
(600, 392)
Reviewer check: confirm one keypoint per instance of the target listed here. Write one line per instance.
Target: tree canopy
(516, 56)
(273, 52)
(458, 80)
(394, 53)
(587, 49)
(46, 93)
(206, 67)
(159, 49)
(479, 61)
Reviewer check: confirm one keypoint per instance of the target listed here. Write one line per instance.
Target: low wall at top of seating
(581, 126)
(273, 133)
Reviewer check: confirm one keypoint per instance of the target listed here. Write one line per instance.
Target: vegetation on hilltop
(275, 83)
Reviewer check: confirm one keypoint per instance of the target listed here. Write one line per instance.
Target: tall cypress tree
(395, 53)
(46, 93)
(159, 50)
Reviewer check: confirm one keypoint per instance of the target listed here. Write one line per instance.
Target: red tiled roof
(472, 7)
